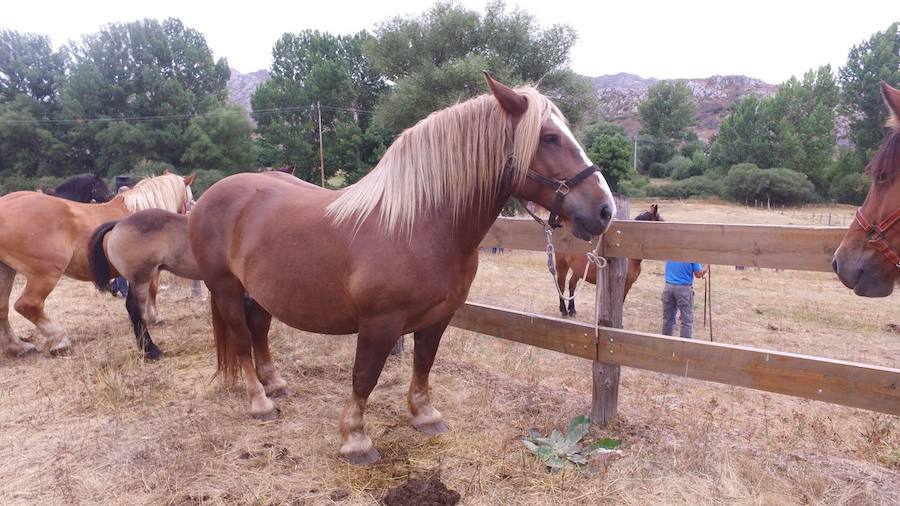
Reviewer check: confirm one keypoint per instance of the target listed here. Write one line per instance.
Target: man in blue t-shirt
(679, 294)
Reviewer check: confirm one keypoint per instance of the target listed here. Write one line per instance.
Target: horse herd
(392, 254)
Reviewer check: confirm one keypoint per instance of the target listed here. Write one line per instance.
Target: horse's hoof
(60, 352)
(153, 354)
(433, 428)
(268, 415)
(280, 391)
(26, 350)
(365, 458)
(572, 312)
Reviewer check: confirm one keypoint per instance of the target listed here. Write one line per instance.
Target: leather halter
(876, 235)
(562, 189)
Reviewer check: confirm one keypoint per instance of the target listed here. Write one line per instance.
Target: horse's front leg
(373, 345)
(424, 417)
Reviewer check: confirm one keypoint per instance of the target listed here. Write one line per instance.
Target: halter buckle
(563, 189)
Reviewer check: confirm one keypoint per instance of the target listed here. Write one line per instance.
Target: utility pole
(321, 149)
(635, 154)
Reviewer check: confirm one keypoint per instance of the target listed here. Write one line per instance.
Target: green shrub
(18, 182)
(149, 168)
(746, 183)
(659, 170)
(632, 190)
(203, 179)
(851, 189)
(697, 186)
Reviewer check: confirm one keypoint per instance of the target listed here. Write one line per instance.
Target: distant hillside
(619, 96)
(242, 86)
(621, 93)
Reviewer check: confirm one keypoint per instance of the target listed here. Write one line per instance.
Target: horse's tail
(227, 363)
(100, 271)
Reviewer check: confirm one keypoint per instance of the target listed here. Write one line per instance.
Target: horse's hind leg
(230, 324)
(31, 305)
(425, 417)
(12, 345)
(151, 310)
(134, 304)
(573, 283)
(562, 269)
(258, 321)
(373, 345)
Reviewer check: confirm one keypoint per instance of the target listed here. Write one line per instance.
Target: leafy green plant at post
(557, 450)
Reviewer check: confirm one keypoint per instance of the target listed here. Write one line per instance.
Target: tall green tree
(312, 72)
(792, 129)
(31, 76)
(220, 140)
(161, 73)
(667, 114)
(610, 149)
(437, 59)
(868, 63)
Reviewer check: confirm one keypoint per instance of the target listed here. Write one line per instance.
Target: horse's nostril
(834, 265)
(606, 212)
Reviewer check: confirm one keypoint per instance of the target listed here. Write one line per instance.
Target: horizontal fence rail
(835, 381)
(782, 247)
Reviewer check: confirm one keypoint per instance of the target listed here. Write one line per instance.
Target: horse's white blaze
(587, 161)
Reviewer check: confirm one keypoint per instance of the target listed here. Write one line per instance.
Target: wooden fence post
(611, 293)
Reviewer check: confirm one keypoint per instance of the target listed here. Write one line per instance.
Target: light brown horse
(44, 238)
(393, 254)
(138, 248)
(577, 262)
(868, 259)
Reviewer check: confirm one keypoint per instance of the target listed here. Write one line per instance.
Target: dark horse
(394, 253)
(868, 259)
(85, 188)
(578, 261)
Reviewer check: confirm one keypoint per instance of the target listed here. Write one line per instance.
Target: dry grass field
(100, 426)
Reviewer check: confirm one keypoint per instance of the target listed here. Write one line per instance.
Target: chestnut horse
(44, 238)
(578, 261)
(868, 259)
(394, 253)
(138, 248)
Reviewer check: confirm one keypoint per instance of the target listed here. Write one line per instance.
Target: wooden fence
(786, 247)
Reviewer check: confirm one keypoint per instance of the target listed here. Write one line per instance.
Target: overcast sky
(769, 40)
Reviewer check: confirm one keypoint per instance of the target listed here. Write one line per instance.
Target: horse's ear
(654, 209)
(190, 179)
(892, 99)
(509, 100)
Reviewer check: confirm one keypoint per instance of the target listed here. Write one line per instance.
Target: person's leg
(669, 305)
(685, 300)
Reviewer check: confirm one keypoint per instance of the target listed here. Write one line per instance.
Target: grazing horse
(394, 253)
(868, 259)
(138, 248)
(577, 262)
(84, 188)
(45, 237)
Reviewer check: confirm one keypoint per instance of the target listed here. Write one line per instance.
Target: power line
(170, 117)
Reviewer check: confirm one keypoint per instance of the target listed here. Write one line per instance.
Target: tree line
(779, 149)
(136, 97)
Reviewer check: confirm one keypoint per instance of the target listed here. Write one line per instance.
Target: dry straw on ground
(102, 427)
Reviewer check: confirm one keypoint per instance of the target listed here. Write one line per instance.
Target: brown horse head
(868, 259)
(650, 215)
(560, 177)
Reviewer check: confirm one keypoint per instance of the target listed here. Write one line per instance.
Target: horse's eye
(550, 139)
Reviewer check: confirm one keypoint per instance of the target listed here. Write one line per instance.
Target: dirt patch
(418, 492)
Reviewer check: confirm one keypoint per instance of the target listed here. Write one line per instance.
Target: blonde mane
(161, 192)
(452, 161)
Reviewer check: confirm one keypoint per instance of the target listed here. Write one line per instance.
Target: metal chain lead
(592, 258)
